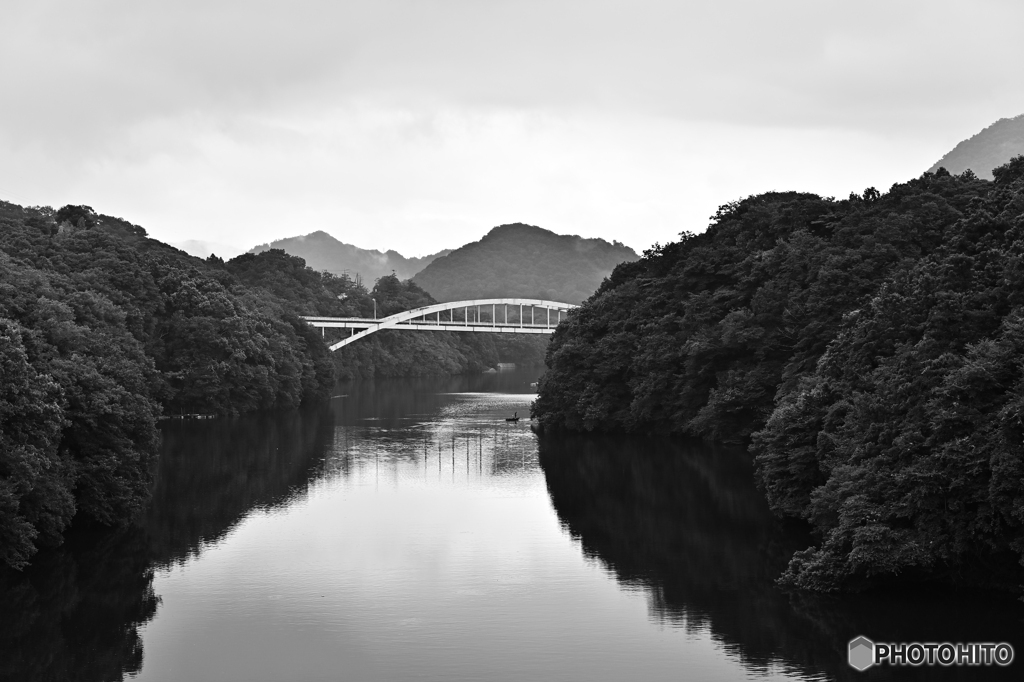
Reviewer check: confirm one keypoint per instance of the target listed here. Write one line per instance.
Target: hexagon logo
(861, 653)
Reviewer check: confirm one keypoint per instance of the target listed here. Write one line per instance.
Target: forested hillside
(523, 261)
(992, 147)
(873, 350)
(387, 353)
(103, 330)
(321, 251)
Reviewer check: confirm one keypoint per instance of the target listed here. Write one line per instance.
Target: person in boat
(514, 417)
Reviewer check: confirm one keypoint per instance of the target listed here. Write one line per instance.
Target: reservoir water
(407, 531)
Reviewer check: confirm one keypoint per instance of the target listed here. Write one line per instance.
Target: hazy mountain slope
(990, 148)
(526, 261)
(321, 252)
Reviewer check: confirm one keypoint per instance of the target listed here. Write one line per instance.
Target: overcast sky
(421, 124)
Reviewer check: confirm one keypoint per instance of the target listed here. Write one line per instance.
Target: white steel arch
(418, 318)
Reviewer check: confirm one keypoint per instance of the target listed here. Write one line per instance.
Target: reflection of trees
(391, 402)
(514, 448)
(212, 473)
(686, 523)
(75, 613)
(926, 616)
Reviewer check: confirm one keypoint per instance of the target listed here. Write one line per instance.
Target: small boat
(513, 418)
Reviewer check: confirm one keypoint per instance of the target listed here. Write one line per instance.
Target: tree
(36, 481)
(78, 216)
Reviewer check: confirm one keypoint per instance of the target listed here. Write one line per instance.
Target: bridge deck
(478, 315)
(434, 325)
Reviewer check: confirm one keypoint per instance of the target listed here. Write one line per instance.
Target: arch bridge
(528, 316)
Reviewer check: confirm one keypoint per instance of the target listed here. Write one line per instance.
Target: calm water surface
(406, 531)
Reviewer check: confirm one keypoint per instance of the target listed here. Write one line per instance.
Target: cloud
(417, 180)
(96, 66)
(391, 118)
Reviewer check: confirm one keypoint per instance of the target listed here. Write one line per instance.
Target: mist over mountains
(520, 260)
(514, 260)
(991, 148)
(322, 252)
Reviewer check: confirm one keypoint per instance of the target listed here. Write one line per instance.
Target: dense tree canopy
(905, 446)
(77, 410)
(872, 347)
(102, 330)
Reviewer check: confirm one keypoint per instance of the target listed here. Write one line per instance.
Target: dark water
(406, 531)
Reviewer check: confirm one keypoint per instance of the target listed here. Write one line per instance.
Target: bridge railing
(478, 315)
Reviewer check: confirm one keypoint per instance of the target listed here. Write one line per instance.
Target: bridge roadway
(475, 318)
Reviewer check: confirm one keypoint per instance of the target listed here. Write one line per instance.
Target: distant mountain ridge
(991, 148)
(322, 252)
(519, 260)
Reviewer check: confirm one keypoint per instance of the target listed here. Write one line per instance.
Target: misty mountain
(322, 252)
(989, 149)
(524, 261)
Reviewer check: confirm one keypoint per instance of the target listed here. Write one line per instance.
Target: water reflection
(405, 530)
(684, 523)
(75, 613)
(211, 474)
